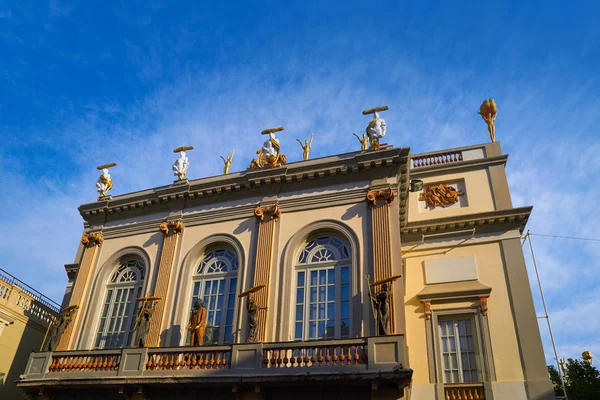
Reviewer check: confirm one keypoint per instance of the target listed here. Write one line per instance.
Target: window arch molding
(96, 297)
(290, 262)
(181, 301)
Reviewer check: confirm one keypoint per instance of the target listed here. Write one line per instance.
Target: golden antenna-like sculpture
(306, 146)
(488, 111)
(227, 162)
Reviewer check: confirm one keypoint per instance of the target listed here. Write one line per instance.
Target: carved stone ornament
(427, 309)
(441, 195)
(483, 304)
(386, 194)
(172, 227)
(95, 239)
(268, 212)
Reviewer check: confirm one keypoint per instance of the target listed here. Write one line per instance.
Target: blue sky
(86, 83)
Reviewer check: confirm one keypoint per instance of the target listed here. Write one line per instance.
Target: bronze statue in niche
(381, 303)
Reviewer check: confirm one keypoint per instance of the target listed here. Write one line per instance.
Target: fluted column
(91, 243)
(379, 201)
(267, 217)
(172, 230)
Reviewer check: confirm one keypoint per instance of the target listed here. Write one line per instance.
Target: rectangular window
(459, 361)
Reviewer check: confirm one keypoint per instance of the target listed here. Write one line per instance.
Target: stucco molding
(482, 222)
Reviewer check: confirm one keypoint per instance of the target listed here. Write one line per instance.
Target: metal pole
(562, 381)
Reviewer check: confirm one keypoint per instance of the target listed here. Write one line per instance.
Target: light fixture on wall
(416, 185)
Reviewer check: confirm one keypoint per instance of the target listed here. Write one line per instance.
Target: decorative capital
(94, 239)
(174, 227)
(483, 304)
(427, 309)
(268, 212)
(386, 194)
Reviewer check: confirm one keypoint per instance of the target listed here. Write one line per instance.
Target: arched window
(119, 311)
(322, 306)
(215, 281)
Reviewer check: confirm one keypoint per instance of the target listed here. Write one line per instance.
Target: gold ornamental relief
(172, 227)
(94, 239)
(387, 195)
(267, 212)
(441, 195)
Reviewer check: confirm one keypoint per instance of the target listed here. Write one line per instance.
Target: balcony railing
(464, 391)
(354, 355)
(443, 157)
(189, 359)
(337, 353)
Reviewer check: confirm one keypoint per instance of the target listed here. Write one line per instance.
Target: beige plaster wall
(477, 190)
(490, 270)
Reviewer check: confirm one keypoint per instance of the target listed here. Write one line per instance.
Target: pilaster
(267, 217)
(379, 201)
(171, 230)
(91, 243)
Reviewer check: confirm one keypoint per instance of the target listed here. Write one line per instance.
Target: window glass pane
(301, 279)
(298, 330)
(345, 309)
(331, 310)
(299, 312)
(331, 293)
(313, 312)
(330, 329)
(345, 325)
(300, 295)
(331, 276)
(313, 278)
(312, 329)
(345, 292)
(344, 275)
(322, 277)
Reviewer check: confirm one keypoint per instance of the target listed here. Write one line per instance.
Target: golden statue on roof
(488, 111)
(306, 146)
(227, 161)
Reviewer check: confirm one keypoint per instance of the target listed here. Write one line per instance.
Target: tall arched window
(215, 281)
(120, 308)
(322, 306)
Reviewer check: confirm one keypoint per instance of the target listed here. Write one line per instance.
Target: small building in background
(25, 315)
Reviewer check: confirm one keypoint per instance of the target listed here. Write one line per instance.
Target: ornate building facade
(373, 274)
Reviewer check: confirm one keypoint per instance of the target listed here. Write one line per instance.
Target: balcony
(373, 361)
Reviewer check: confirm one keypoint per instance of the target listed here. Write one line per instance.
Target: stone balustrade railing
(189, 359)
(85, 362)
(464, 391)
(371, 353)
(337, 353)
(444, 157)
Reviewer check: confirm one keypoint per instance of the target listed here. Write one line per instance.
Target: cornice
(147, 201)
(482, 222)
(205, 217)
(458, 166)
